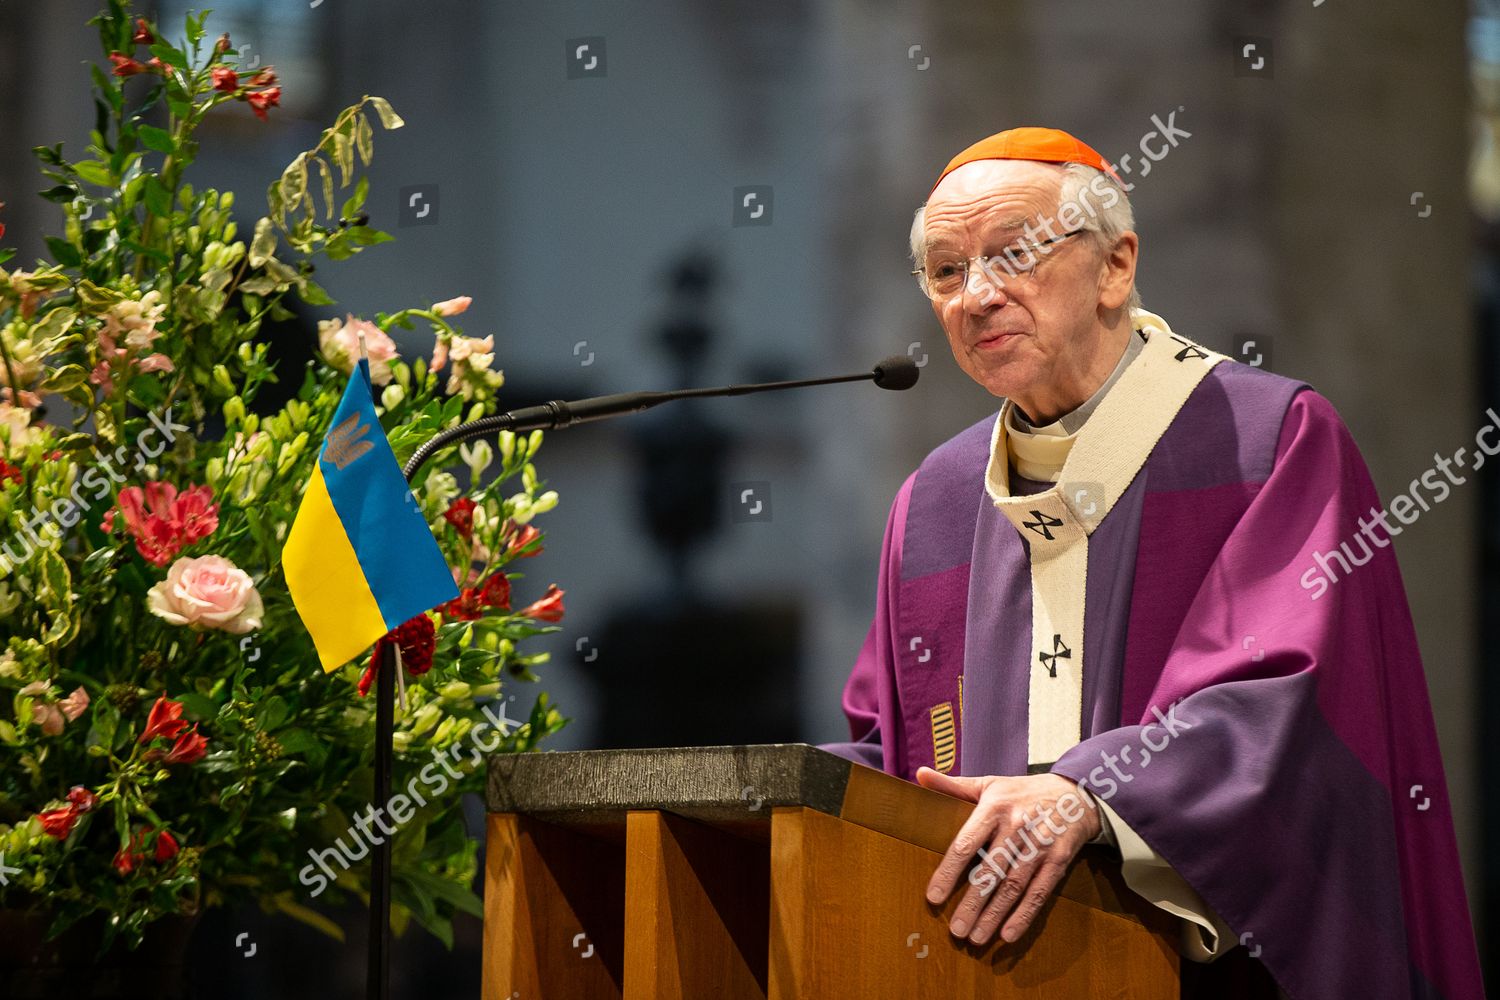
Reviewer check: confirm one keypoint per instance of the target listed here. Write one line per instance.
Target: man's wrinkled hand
(1029, 830)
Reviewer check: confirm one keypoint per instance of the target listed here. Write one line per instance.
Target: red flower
(222, 45)
(166, 846)
(260, 100)
(58, 822)
(471, 602)
(225, 79)
(82, 799)
(264, 78)
(131, 855)
(549, 608)
(460, 514)
(465, 607)
(496, 591)
(416, 637)
(189, 748)
(526, 536)
(165, 720)
(126, 66)
(142, 34)
(162, 521)
(8, 472)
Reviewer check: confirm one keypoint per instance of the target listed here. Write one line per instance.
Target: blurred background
(670, 193)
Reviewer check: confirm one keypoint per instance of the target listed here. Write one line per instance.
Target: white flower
(16, 422)
(477, 455)
(136, 319)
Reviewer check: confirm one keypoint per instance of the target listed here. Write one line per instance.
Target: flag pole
(378, 975)
(378, 978)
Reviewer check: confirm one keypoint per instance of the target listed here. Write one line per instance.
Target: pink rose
(207, 592)
(452, 307)
(338, 341)
(74, 704)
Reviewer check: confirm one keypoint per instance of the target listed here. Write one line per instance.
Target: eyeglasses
(944, 277)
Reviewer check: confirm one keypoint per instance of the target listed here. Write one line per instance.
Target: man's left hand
(1047, 820)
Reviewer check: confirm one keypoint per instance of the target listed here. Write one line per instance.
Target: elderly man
(1099, 619)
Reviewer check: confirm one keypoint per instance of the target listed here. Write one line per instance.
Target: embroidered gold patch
(944, 738)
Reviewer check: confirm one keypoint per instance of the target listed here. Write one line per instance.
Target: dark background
(1335, 206)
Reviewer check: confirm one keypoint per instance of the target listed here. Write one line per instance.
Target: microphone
(896, 372)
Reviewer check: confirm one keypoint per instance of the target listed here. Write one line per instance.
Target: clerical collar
(1070, 423)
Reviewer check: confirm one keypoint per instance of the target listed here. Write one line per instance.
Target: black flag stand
(378, 978)
(898, 372)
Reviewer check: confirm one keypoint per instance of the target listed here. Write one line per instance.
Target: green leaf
(313, 294)
(155, 138)
(60, 193)
(366, 237)
(158, 198)
(356, 200)
(343, 155)
(95, 172)
(193, 27)
(57, 597)
(50, 154)
(263, 245)
(388, 116)
(295, 741)
(200, 705)
(272, 712)
(364, 139)
(437, 887)
(325, 173)
(170, 54)
(65, 378)
(132, 193)
(261, 285)
(64, 252)
(73, 442)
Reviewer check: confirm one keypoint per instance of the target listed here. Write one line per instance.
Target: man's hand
(1046, 820)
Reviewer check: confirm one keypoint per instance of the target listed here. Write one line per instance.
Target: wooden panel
(920, 816)
(696, 911)
(545, 886)
(849, 918)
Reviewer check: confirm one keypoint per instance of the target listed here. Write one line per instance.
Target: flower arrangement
(171, 742)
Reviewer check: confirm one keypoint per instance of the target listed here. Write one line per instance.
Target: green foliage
(147, 321)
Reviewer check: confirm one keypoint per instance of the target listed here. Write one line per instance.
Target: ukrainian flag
(360, 559)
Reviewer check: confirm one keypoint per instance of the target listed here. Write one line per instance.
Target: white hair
(1080, 187)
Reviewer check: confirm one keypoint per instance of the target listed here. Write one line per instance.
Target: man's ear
(1119, 271)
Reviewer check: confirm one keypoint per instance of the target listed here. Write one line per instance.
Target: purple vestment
(1296, 783)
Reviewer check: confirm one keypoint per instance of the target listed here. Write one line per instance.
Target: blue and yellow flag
(360, 559)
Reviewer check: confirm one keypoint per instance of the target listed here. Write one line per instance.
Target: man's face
(1016, 339)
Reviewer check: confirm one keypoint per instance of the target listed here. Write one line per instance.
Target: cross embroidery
(1189, 350)
(1059, 651)
(1043, 524)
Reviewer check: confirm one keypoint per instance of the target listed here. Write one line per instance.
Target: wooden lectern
(769, 871)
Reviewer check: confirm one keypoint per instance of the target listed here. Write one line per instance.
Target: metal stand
(378, 979)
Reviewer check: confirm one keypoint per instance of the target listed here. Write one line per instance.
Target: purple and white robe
(1260, 729)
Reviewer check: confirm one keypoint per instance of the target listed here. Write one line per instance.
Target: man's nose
(983, 290)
